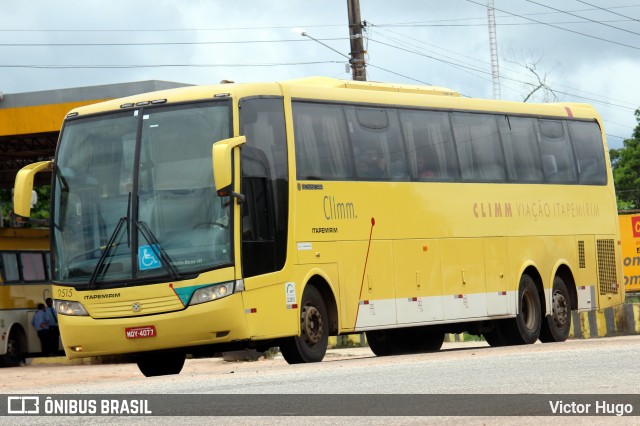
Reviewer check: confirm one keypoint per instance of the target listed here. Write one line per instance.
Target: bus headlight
(66, 307)
(212, 292)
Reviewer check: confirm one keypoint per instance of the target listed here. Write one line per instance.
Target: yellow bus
(277, 214)
(24, 261)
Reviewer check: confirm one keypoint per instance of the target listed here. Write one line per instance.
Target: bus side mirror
(222, 163)
(23, 188)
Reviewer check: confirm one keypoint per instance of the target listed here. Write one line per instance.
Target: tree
(537, 85)
(625, 163)
(39, 213)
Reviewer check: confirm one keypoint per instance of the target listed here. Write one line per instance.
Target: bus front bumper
(218, 321)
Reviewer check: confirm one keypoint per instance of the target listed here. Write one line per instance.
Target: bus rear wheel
(381, 342)
(555, 327)
(528, 322)
(14, 354)
(311, 344)
(404, 341)
(499, 336)
(161, 363)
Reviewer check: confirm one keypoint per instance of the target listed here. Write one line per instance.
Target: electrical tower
(495, 71)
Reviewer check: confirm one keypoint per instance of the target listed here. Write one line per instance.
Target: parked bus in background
(325, 207)
(24, 262)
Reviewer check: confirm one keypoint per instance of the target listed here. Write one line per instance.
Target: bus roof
(327, 89)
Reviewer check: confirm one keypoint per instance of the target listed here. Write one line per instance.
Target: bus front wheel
(14, 354)
(311, 344)
(555, 327)
(161, 363)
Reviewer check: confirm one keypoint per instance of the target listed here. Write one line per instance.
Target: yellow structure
(630, 234)
(337, 207)
(30, 122)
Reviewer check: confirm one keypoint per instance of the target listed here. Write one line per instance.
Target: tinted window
(429, 144)
(322, 142)
(376, 143)
(556, 152)
(589, 149)
(10, 270)
(520, 143)
(32, 267)
(265, 164)
(478, 144)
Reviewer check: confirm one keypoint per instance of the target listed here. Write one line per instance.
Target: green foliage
(625, 163)
(40, 213)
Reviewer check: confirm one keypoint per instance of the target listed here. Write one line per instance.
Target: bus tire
(161, 363)
(423, 340)
(497, 337)
(528, 322)
(14, 353)
(311, 344)
(381, 342)
(555, 327)
(412, 340)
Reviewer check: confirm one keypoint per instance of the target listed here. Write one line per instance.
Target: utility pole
(358, 70)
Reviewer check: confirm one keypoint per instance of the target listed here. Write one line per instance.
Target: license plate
(140, 332)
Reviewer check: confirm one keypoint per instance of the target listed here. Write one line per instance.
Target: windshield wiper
(94, 276)
(153, 242)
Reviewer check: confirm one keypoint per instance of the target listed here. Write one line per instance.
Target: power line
(466, 67)
(561, 28)
(86, 66)
(582, 17)
(502, 24)
(168, 43)
(608, 10)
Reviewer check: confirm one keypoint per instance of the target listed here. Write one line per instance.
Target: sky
(583, 51)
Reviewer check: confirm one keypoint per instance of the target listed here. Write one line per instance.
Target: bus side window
(32, 267)
(589, 149)
(479, 149)
(555, 143)
(429, 144)
(520, 143)
(321, 141)
(10, 271)
(376, 143)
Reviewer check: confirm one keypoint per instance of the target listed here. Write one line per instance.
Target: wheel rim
(12, 348)
(528, 310)
(312, 327)
(559, 309)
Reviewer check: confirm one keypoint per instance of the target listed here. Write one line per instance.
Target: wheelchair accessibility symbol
(147, 258)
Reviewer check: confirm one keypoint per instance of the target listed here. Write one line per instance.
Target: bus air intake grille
(134, 307)
(607, 276)
(581, 259)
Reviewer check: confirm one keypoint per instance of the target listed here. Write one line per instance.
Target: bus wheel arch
(16, 347)
(325, 290)
(315, 324)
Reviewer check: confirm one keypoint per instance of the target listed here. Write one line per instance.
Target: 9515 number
(63, 293)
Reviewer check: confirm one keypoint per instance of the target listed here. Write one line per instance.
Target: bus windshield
(134, 196)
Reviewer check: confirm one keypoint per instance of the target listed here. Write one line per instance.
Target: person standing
(54, 331)
(40, 322)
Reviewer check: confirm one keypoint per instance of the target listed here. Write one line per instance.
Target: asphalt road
(597, 366)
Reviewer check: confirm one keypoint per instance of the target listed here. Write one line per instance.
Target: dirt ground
(59, 371)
